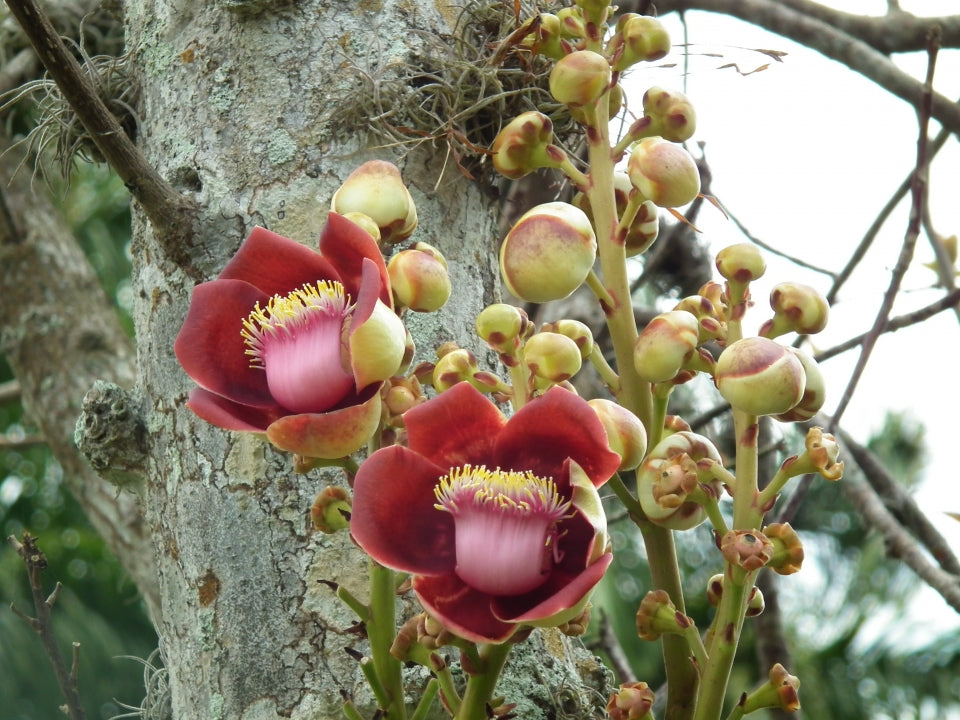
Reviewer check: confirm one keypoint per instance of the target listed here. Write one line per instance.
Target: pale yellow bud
(760, 377)
(663, 172)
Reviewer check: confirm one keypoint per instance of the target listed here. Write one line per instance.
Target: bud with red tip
(760, 377)
(419, 278)
(524, 145)
(663, 172)
(580, 78)
(797, 308)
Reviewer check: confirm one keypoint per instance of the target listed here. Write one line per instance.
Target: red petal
(329, 435)
(230, 415)
(548, 430)
(276, 264)
(367, 295)
(346, 245)
(393, 517)
(455, 428)
(561, 592)
(461, 609)
(210, 347)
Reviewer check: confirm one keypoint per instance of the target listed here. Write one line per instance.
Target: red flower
(498, 520)
(295, 343)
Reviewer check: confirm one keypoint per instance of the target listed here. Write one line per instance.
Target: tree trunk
(242, 105)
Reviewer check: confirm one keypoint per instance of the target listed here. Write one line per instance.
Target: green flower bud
(572, 24)
(663, 172)
(546, 39)
(456, 366)
(665, 344)
(419, 278)
(501, 325)
(552, 356)
(643, 230)
(523, 145)
(580, 78)
(814, 391)
(797, 308)
(671, 114)
(741, 263)
(626, 435)
(377, 190)
(637, 38)
(576, 331)
(760, 377)
(548, 252)
(712, 323)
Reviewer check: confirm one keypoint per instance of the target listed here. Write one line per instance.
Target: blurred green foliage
(99, 606)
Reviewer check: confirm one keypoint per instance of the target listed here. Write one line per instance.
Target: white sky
(805, 154)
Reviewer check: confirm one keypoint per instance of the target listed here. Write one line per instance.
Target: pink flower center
(297, 339)
(505, 527)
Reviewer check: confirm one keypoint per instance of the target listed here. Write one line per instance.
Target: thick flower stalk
(295, 343)
(498, 521)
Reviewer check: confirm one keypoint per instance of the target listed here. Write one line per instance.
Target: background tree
(253, 112)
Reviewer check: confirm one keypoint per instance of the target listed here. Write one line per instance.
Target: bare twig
(9, 390)
(170, 213)
(41, 624)
(609, 644)
(918, 192)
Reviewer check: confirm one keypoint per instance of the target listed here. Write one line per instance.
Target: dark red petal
(548, 430)
(455, 428)
(276, 264)
(367, 295)
(561, 592)
(393, 517)
(210, 347)
(461, 609)
(346, 244)
(230, 415)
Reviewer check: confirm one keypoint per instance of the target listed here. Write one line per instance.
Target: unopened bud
(552, 356)
(576, 331)
(626, 435)
(797, 308)
(712, 323)
(580, 78)
(814, 391)
(643, 230)
(637, 38)
(419, 278)
(377, 190)
(787, 548)
(755, 603)
(365, 222)
(525, 145)
(715, 589)
(455, 366)
(663, 172)
(548, 253)
(760, 377)
(741, 263)
(671, 114)
(545, 40)
(500, 326)
(663, 346)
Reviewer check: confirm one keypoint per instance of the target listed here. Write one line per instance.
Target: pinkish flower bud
(402, 394)
(741, 263)
(377, 190)
(760, 377)
(814, 391)
(665, 344)
(626, 435)
(524, 145)
(663, 172)
(419, 278)
(787, 548)
(638, 38)
(659, 616)
(780, 691)
(671, 114)
(501, 326)
(748, 549)
(548, 252)
(580, 78)
(331, 510)
(552, 356)
(576, 331)
(632, 701)
(797, 308)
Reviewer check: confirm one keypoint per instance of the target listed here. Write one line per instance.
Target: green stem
(606, 373)
(381, 631)
(480, 687)
(426, 700)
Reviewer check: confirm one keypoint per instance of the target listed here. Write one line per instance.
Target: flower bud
(632, 701)
(671, 115)
(403, 393)
(797, 308)
(715, 589)
(755, 603)
(419, 278)
(365, 222)
(546, 39)
(626, 435)
(748, 549)
(663, 172)
(524, 145)
(787, 548)
(576, 331)
(760, 377)
(576, 626)
(643, 230)
(501, 325)
(548, 252)
(331, 510)
(377, 190)
(663, 346)
(572, 25)
(456, 366)
(741, 263)
(580, 78)
(659, 616)
(637, 38)
(814, 391)
(712, 323)
(552, 356)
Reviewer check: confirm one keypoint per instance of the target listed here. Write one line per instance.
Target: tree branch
(831, 42)
(171, 214)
